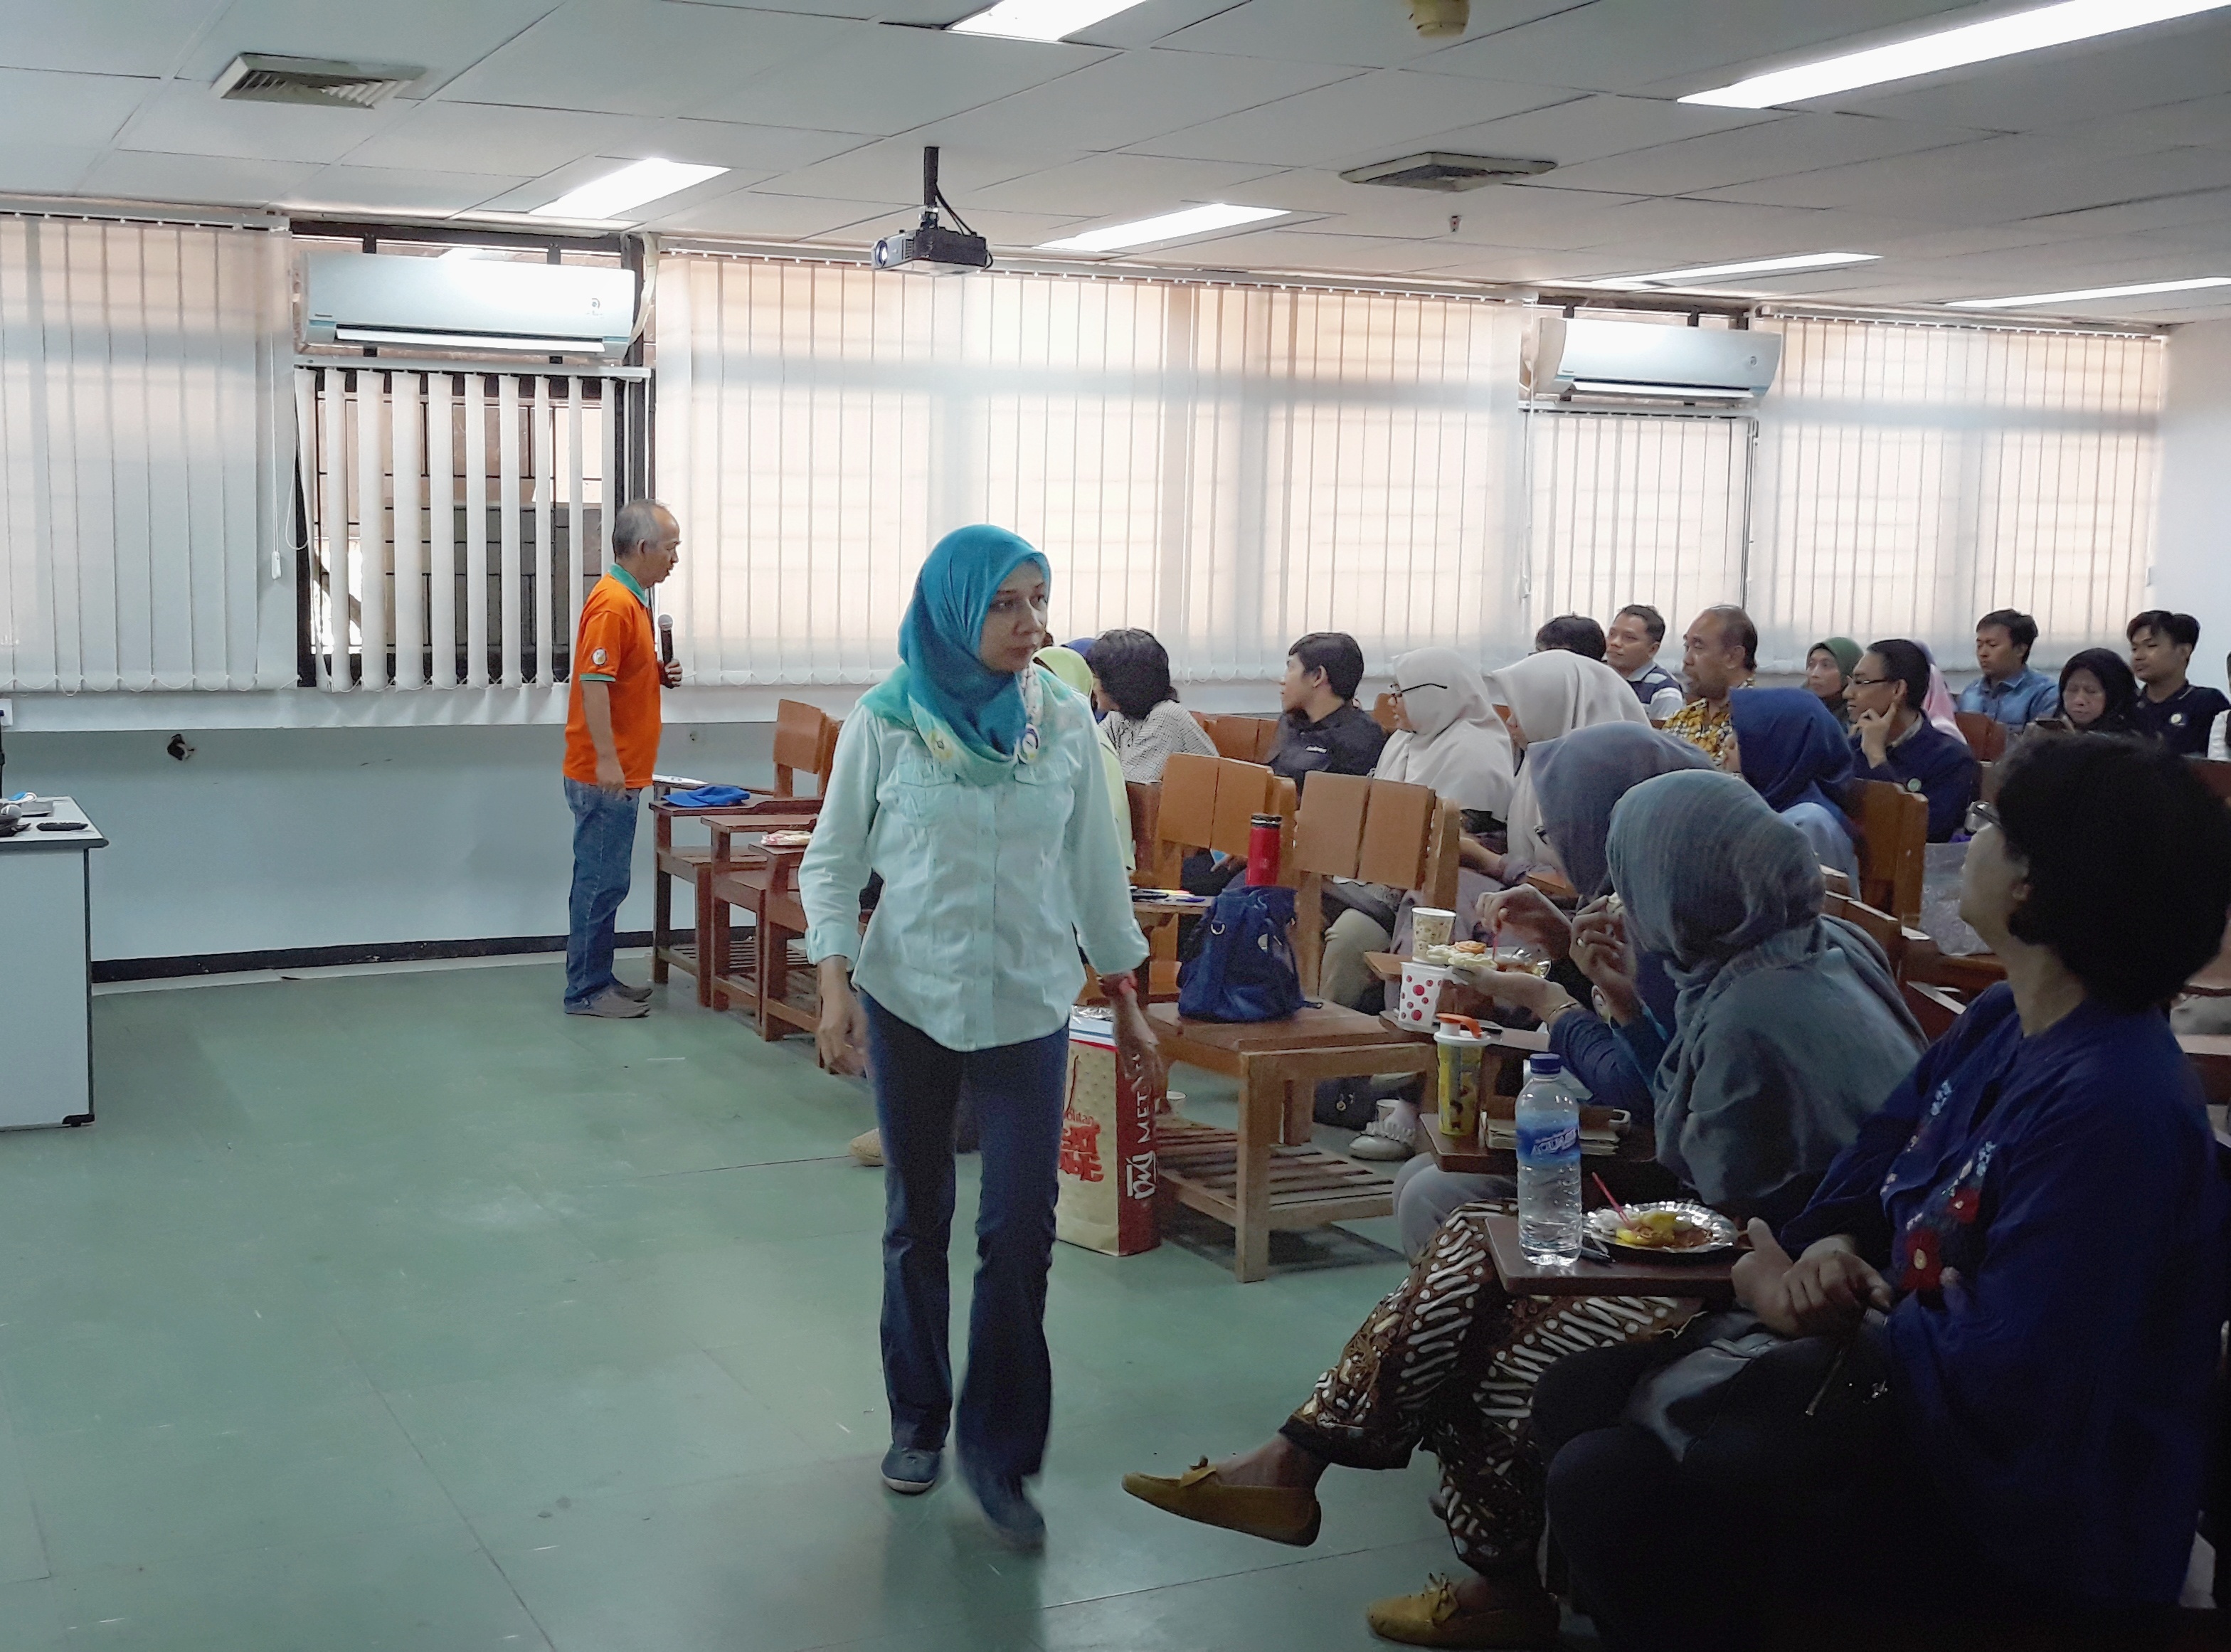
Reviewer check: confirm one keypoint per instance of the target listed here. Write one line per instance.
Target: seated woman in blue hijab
(2040, 1212)
(1789, 746)
(1752, 1106)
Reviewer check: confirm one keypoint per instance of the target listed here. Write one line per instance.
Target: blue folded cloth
(707, 797)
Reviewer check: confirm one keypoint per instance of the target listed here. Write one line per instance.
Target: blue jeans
(604, 856)
(1006, 1404)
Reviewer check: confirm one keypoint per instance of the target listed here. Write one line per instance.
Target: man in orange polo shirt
(612, 746)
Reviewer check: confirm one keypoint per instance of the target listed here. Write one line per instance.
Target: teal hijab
(976, 721)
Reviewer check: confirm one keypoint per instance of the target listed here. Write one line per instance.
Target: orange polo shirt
(616, 645)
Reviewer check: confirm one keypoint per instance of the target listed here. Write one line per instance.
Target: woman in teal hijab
(971, 780)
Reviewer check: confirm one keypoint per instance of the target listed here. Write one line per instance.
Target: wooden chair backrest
(1381, 832)
(804, 743)
(2215, 776)
(1986, 736)
(1933, 1007)
(1887, 932)
(1893, 845)
(1382, 712)
(1146, 849)
(1248, 739)
(1211, 803)
(1834, 881)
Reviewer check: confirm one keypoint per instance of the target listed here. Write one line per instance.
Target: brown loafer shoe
(1435, 1617)
(1275, 1513)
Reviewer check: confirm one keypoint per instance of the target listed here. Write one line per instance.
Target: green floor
(399, 1310)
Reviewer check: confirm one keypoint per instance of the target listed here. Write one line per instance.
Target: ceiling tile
(2204, 122)
(881, 80)
(891, 169)
(1786, 145)
(384, 189)
(2194, 206)
(752, 216)
(188, 118)
(95, 38)
(441, 36)
(747, 148)
(501, 138)
(1934, 186)
(1112, 186)
(1128, 98)
(217, 180)
(1588, 128)
(1376, 35)
(1299, 249)
(1655, 46)
(37, 169)
(640, 56)
(1378, 115)
(2164, 63)
(67, 111)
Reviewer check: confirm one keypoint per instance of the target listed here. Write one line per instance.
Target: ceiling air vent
(259, 77)
(1437, 171)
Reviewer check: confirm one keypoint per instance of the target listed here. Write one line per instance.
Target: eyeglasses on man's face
(1982, 814)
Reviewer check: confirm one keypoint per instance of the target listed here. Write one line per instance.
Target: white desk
(46, 976)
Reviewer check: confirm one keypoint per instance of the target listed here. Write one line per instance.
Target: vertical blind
(1910, 478)
(1229, 467)
(1631, 507)
(456, 520)
(145, 450)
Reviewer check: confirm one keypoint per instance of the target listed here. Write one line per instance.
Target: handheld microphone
(666, 640)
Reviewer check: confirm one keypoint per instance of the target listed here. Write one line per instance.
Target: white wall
(277, 837)
(2192, 556)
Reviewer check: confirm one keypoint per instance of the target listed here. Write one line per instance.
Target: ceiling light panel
(2032, 300)
(1039, 19)
(1167, 226)
(1749, 267)
(616, 193)
(1975, 42)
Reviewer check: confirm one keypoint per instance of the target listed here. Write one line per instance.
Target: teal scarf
(977, 722)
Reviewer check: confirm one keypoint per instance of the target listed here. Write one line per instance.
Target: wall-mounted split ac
(471, 304)
(1641, 360)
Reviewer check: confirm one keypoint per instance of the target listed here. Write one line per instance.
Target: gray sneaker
(640, 995)
(611, 1005)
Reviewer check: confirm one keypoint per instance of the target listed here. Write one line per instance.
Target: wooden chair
(1265, 1175)
(805, 741)
(1248, 739)
(1986, 736)
(1893, 846)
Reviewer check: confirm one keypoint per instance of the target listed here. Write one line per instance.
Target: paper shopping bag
(1106, 1199)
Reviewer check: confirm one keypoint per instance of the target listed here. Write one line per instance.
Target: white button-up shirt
(987, 889)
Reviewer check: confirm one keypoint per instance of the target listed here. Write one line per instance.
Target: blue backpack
(1244, 971)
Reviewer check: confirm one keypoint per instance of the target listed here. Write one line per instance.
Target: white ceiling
(2104, 163)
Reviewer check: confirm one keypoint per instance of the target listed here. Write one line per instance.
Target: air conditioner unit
(472, 304)
(1641, 361)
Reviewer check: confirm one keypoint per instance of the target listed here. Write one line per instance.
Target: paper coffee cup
(1431, 926)
(1418, 1000)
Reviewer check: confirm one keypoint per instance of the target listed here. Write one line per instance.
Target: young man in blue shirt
(2008, 691)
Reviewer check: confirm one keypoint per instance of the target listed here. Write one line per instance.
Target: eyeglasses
(1865, 682)
(1982, 814)
(1415, 687)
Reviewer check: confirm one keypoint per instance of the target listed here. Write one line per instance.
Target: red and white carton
(1108, 1180)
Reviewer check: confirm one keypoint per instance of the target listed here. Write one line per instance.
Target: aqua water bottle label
(1548, 1144)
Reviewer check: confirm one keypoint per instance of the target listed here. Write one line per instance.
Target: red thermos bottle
(1263, 848)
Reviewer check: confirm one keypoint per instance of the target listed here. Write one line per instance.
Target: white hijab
(1551, 694)
(1461, 747)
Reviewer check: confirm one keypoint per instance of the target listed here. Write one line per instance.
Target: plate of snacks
(787, 839)
(1672, 1230)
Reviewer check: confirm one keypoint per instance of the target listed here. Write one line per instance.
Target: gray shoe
(610, 1005)
(911, 1470)
(640, 995)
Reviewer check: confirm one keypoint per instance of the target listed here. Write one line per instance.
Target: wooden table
(699, 865)
(1712, 1283)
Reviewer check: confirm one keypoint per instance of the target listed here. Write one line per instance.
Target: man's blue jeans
(1006, 1404)
(604, 856)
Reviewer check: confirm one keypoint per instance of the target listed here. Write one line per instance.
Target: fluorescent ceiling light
(646, 180)
(2082, 292)
(1749, 267)
(1169, 226)
(1975, 42)
(1039, 19)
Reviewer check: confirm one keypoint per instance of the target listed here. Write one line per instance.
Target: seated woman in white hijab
(1446, 736)
(1550, 694)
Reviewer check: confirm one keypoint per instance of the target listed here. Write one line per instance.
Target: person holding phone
(971, 780)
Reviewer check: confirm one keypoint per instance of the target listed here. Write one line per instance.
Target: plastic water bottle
(1548, 1131)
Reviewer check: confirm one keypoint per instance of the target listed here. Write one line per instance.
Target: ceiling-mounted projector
(929, 247)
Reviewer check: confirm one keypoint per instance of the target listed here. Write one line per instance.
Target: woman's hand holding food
(1600, 948)
(1527, 914)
